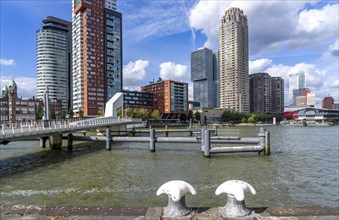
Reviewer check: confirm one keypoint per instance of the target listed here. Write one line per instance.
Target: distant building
(205, 77)
(139, 100)
(277, 95)
(327, 102)
(260, 93)
(296, 81)
(53, 52)
(234, 79)
(266, 93)
(170, 97)
(305, 99)
(96, 54)
(14, 109)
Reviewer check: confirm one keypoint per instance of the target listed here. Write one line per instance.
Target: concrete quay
(20, 212)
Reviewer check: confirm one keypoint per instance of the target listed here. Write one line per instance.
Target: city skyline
(159, 38)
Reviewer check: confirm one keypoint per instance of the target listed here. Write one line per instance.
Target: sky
(159, 35)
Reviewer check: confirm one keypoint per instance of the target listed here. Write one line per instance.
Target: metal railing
(27, 129)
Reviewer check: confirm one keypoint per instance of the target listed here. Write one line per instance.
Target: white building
(234, 79)
(296, 82)
(53, 51)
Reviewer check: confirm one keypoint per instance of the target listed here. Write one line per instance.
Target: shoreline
(124, 213)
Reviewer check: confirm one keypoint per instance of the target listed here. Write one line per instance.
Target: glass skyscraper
(234, 79)
(296, 83)
(53, 53)
(205, 77)
(97, 54)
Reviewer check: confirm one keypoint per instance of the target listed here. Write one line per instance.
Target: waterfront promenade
(155, 213)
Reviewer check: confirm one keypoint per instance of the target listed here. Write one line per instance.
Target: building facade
(139, 100)
(296, 82)
(53, 53)
(234, 79)
(260, 93)
(205, 77)
(170, 97)
(278, 102)
(97, 54)
(14, 109)
(266, 93)
(327, 102)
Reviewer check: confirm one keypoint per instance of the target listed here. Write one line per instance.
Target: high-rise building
(296, 82)
(170, 97)
(260, 93)
(53, 54)
(205, 75)
(266, 93)
(234, 79)
(327, 102)
(97, 54)
(277, 95)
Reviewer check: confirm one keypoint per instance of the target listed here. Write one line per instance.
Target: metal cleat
(235, 205)
(176, 191)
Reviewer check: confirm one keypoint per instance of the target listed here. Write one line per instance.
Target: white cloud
(7, 62)
(134, 73)
(26, 85)
(272, 24)
(332, 51)
(170, 70)
(258, 66)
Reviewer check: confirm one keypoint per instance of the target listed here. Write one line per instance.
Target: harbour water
(301, 171)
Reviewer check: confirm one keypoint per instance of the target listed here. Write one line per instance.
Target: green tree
(244, 120)
(39, 112)
(190, 115)
(143, 114)
(101, 113)
(81, 113)
(119, 112)
(128, 112)
(63, 114)
(197, 116)
(155, 115)
(71, 113)
(252, 119)
(51, 112)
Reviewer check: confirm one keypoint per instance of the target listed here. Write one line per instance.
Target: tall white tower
(234, 79)
(296, 82)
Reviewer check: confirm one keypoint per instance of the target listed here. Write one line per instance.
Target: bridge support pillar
(70, 141)
(108, 139)
(43, 142)
(55, 141)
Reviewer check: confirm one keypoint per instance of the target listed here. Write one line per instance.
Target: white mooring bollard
(176, 191)
(235, 206)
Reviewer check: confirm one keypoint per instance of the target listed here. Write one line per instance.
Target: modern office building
(304, 97)
(53, 56)
(97, 54)
(139, 100)
(170, 97)
(296, 82)
(260, 93)
(277, 95)
(234, 79)
(205, 77)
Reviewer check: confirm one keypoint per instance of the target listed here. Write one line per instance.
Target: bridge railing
(41, 127)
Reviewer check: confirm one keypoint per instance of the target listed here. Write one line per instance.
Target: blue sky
(159, 35)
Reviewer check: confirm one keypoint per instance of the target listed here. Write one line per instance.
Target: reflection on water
(301, 171)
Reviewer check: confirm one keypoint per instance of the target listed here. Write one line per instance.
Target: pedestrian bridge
(48, 128)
